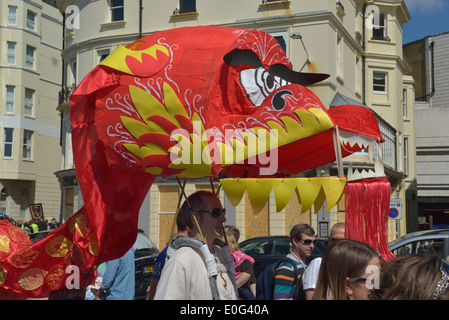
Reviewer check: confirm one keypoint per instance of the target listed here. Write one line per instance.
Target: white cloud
(425, 6)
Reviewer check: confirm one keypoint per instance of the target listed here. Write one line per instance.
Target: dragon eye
(259, 84)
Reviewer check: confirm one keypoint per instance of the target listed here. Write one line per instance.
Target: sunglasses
(307, 242)
(215, 212)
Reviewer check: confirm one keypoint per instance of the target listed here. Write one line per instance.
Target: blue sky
(429, 17)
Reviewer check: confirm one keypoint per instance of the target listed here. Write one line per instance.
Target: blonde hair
(232, 242)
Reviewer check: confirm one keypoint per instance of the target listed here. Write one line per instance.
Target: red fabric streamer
(366, 213)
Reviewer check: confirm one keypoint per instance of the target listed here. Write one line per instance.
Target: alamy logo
(73, 17)
(372, 17)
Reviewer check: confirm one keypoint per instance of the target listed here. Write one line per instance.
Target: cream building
(30, 67)
(334, 37)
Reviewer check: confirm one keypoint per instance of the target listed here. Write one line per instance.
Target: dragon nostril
(278, 101)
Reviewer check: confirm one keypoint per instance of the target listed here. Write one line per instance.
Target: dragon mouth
(311, 137)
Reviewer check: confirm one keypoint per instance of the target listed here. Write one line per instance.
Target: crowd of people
(349, 269)
(204, 262)
(33, 225)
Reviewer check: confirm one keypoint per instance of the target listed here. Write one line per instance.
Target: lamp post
(297, 35)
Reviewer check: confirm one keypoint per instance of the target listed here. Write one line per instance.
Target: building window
(30, 54)
(379, 27)
(7, 151)
(186, 6)
(404, 103)
(27, 144)
(339, 56)
(31, 20)
(380, 82)
(281, 38)
(9, 103)
(71, 75)
(102, 54)
(406, 156)
(358, 75)
(117, 9)
(29, 102)
(12, 16)
(11, 53)
(400, 163)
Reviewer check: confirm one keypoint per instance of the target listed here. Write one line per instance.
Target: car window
(257, 248)
(320, 247)
(435, 246)
(281, 247)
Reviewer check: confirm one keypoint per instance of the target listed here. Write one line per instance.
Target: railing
(184, 10)
(65, 93)
(389, 146)
(272, 1)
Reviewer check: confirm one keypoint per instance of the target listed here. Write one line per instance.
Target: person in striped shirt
(302, 237)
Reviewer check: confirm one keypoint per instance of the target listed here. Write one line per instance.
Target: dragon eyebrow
(302, 78)
(239, 57)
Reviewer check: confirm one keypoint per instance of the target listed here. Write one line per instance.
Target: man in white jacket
(203, 271)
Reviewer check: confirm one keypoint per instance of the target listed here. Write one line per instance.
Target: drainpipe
(432, 57)
(140, 19)
(363, 58)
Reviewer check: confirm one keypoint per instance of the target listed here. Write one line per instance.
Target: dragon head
(214, 101)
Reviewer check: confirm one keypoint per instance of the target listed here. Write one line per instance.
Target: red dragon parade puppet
(190, 102)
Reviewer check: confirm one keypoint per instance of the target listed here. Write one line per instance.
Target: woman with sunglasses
(346, 271)
(185, 275)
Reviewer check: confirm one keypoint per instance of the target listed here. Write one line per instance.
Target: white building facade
(30, 68)
(334, 37)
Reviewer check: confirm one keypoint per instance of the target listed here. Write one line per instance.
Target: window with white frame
(380, 28)
(281, 37)
(406, 156)
(404, 103)
(8, 141)
(31, 20)
(27, 144)
(339, 56)
(12, 16)
(117, 10)
(380, 82)
(11, 53)
(102, 54)
(400, 163)
(29, 102)
(186, 6)
(71, 74)
(358, 75)
(30, 57)
(9, 101)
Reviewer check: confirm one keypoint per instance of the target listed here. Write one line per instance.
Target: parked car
(269, 249)
(144, 255)
(421, 242)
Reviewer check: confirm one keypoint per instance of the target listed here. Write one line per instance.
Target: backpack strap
(208, 258)
(298, 287)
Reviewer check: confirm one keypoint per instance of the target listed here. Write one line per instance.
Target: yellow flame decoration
(259, 140)
(117, 58)
(147, 105)
(308, 191)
